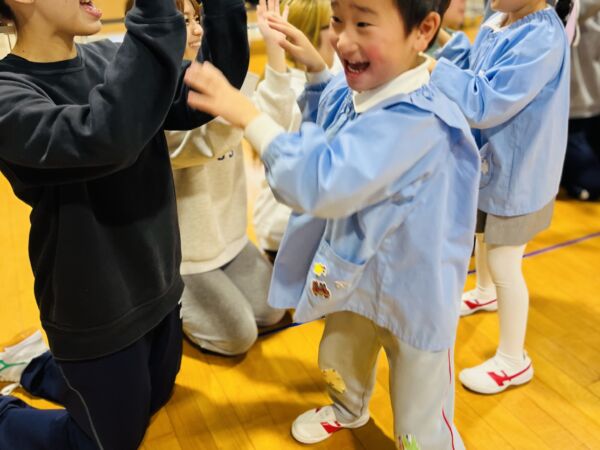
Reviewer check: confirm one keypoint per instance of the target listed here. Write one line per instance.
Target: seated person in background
(226, 277)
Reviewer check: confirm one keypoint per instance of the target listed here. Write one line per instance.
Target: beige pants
(421, 382)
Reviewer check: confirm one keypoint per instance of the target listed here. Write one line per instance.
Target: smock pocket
(487, 166)
(331, 279)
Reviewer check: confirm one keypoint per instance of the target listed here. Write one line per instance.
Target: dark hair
(5, 12)
(413, 12)
(563, 9)
(178, 3)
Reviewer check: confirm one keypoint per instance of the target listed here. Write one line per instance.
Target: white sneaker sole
(469, 311)
(361, 421)
(524, 378)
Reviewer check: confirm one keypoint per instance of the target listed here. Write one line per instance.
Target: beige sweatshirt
(208, 168)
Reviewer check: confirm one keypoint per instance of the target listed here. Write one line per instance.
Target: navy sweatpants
(108, 401)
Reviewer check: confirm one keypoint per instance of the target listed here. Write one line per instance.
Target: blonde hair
(310, 17)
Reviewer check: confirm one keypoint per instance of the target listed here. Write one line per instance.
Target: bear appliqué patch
(320, 289)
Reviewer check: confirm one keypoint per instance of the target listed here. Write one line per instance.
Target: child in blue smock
(382, 178)
(513, 87)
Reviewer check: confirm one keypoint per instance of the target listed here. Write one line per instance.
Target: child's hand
(214, 95)
(297, 45)
(265, 9)
(275, 54)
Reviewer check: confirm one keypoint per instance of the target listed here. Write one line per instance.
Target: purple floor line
(555, 247)
(471, 272)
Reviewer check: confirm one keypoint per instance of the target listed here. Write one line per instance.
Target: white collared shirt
(408, 81)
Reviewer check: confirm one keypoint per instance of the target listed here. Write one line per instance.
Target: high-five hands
(213, 94)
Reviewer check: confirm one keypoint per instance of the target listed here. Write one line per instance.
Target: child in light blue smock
(513, 87)
(382, 178)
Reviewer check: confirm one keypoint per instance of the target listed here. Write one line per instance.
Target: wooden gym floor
(249, 402)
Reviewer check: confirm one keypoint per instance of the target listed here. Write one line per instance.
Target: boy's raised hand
(213, 94)
(297, 45)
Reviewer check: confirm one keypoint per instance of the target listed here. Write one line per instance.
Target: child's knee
(236, 338)
(240, 343)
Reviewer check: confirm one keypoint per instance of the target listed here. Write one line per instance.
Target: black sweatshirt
(81, 142)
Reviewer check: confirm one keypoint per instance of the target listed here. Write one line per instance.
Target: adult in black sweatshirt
(81, 142)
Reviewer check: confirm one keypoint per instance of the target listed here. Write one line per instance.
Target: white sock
(485, 290)
(511, 363)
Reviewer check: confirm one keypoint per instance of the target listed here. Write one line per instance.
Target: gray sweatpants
(222, 308)
(421, 382)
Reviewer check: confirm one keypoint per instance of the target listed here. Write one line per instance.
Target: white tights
(500, 275)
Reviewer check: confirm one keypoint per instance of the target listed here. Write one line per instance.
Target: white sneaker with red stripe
(318, 424)
(495, 376)
(472, 302)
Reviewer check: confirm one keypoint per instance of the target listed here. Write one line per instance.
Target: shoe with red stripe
(318, 424)
(495, 376)
(473, 302)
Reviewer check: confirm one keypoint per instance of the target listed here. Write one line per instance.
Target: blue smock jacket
(384, 205)
(513, 87)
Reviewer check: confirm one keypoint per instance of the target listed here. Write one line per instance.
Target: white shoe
(318, 424)
(471, 303)
(15, 358)
(494, 376)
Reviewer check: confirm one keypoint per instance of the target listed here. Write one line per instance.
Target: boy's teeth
(356, 67)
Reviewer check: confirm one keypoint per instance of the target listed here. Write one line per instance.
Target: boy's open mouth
(355, 67)
(88, 6)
